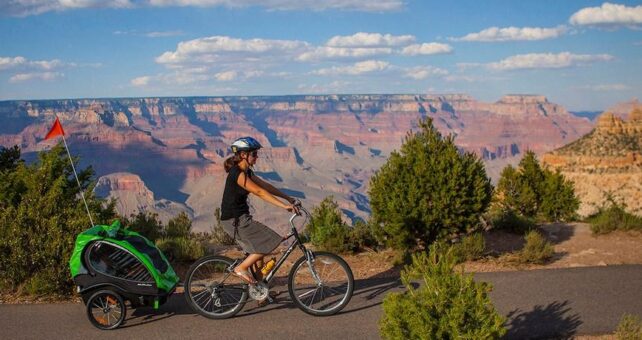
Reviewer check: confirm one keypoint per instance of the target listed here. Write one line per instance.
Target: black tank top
(234, 202)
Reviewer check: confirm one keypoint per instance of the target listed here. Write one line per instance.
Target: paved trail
(543, 303)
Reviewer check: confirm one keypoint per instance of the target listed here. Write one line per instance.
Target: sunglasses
(254, 154)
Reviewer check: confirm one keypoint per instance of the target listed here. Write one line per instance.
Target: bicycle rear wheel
(323, 287)
(212, 291)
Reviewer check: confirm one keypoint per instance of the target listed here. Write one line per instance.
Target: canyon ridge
(165, 155)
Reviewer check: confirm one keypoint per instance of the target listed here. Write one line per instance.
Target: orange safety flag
(56, 130)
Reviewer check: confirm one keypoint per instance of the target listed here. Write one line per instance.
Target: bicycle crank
(259, 291)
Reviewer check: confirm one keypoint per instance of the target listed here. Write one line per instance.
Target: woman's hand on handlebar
(294, 208)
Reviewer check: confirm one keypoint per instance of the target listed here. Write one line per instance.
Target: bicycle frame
(297, 242)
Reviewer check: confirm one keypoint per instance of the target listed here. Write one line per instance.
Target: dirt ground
(574, 245)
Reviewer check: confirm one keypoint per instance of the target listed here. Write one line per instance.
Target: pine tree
(326, 229)
(428, 190)
(41, 214)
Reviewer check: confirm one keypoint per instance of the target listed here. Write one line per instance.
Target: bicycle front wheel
(212, 291)
(322, 286)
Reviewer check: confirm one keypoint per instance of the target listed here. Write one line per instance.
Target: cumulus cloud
(329, 53)
(362, 39)
(608, 15)
(46, 76)
(496, 34)
(141, 81)
(546, 60)
(34, 7)
(426, 49)
(368, 66)
(226, 76)
(333, 87)
(217, 49)
(8, 63)
(423, 72)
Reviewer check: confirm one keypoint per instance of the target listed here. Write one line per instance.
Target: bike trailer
(111, 265)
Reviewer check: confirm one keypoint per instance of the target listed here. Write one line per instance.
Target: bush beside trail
(612, 216)
(446, 305)
(41, 213)
(428, 190)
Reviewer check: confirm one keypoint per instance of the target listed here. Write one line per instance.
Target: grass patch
(470, 248)
(614, 217)
(629, 328)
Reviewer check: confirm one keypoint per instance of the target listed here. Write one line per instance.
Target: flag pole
(77, 180)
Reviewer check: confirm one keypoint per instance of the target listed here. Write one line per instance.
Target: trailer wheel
(106, 309)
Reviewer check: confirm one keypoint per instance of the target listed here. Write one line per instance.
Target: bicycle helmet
(245, 144)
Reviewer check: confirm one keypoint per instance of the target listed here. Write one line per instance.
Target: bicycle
(319, 283)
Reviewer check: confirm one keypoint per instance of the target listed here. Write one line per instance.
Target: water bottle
(268, 266)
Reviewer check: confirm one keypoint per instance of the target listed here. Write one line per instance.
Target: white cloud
(362, 67)
(141, 81)
(496, 34)
(606, 87)
(8, 63)
(154, 34)
(426, 49)
(35, 7)
(362, 39)
(218, 49)
(423, 72)
(608, 15)
(46, 76)
(226, 76)
(329, 53)
(546, 60)
(333, 87)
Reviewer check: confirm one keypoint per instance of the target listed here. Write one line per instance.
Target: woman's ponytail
(231, 162)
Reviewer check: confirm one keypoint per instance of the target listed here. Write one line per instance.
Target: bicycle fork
(309, 257)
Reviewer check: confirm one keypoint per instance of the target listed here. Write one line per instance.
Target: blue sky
(586, 55)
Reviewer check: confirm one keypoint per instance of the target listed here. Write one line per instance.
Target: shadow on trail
(368, 293)
(552, 321)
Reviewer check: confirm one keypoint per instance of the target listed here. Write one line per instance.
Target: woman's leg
(249, 260)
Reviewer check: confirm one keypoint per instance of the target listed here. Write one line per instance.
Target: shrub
(532, 191)
(536, 250)
(613, 216)
(179, 226)
(361, 236)
(511, 221)
(146, 224)
(326, 229)
(428, 190)
(447, 305)
(629, 328)
(181, 248)
(218, 235)
(41, 213)
(470, 248)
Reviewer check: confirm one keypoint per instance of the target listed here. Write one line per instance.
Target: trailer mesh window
(117, 262)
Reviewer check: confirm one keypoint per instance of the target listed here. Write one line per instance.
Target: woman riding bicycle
(255, 238)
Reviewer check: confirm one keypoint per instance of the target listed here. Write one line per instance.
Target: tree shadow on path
(551, 322)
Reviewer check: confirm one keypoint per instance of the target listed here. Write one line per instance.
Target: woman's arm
(272, 190)
(248, 184)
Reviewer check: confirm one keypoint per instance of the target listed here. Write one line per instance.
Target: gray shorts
(254, 237)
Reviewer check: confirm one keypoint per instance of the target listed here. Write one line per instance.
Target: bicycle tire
(299, 301)
(196, 300)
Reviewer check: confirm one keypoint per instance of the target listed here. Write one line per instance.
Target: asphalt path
(556, 303)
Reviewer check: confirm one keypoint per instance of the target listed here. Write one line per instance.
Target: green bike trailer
(111, 265)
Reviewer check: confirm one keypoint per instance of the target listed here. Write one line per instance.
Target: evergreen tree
(326, 229)
(179, 226)
(428, 190)
(41, 214)
(534, 192)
